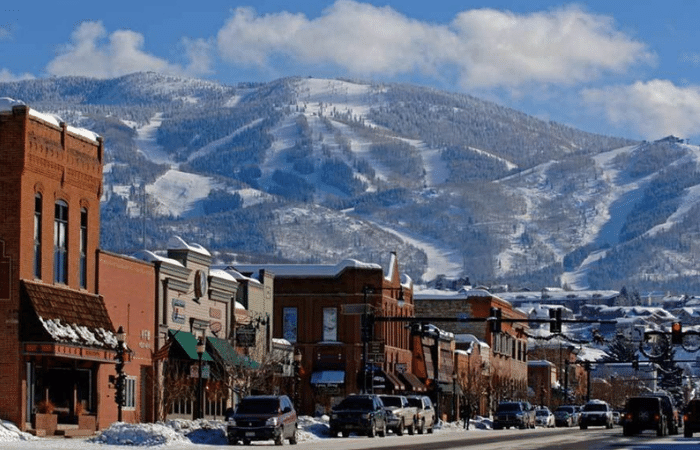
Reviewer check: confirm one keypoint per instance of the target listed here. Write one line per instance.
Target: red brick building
(318, 309)
(507, 363)
(58, 335)
(127, 286)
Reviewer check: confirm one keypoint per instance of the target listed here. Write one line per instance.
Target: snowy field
(178, 435)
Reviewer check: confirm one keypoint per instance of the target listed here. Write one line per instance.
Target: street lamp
(454, 396)
(200, 351)
(121, 376)
(297, 378)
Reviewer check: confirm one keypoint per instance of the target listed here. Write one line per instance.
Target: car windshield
(542, 412)
(565, 409)
(391, 401)
(595, 407)
(362, 403)
(258, 406)
(509, 407)
(414, 402)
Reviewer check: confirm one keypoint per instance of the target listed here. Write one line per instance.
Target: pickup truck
(399, 414)
(425, 412)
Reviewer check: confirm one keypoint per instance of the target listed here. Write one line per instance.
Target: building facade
(58, 336)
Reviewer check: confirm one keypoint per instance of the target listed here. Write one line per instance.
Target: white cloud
(486, 47)
(655, 108)
(6, 75)
(93, 53)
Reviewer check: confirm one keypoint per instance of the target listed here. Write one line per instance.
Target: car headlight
(272, 422)
(231, 421)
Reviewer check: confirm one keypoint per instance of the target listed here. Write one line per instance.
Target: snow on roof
(590, 354)
(236, 274)
(149, 256)
(221, 274)
(305, 270)
(281, 341)
(540, 363)
(441, 294)
(7, 103)
(77, 334)
(239, 306)
(177, 243)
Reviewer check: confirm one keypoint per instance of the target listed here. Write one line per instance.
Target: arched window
(38, 202)
(60, 243)
(83, 247)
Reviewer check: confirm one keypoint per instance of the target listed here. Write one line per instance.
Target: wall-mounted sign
(245, 336)
(200, 284)
(178, 310)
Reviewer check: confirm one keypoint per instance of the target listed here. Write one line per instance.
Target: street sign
(194, 371)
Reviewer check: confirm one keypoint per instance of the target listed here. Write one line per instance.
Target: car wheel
(246, 441)
(687, 432)
(279, 440)
(346, 433)
(382, 432)
(293, 437)
(412, 428)
(584, 427)
(421, 428)
(399, 429)
(372, 430)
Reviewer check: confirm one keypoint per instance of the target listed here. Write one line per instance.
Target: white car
(544, 417)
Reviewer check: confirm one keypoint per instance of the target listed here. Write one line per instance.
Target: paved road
(538, 439)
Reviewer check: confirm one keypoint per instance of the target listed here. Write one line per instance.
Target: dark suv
(360, 413)
(691, 418)
(646, 413)
(261, 418)
(514, 414)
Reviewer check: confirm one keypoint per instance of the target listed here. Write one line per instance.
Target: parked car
(359, 413)
(646, 413)
(565, 416)
(596, 413)
(691, 418)
(425, 411)
(514, 414)
(261, 418)
(544, 417)
(400, 415)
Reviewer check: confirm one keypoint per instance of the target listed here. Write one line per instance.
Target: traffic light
(495, 320)
(555, 317)
(677, 333)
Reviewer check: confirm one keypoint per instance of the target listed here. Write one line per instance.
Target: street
(538, 439)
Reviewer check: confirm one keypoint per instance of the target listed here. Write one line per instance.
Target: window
(38, 202)
(60, 243)
(130, 393)
(83, 248)
(289, 324)
(330, 324)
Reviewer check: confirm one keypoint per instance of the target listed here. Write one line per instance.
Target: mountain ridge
(320, 170)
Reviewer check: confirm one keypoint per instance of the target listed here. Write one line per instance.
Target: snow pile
(143, 434)
(10, 432)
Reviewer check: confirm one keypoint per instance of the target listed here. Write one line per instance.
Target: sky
(602, 66)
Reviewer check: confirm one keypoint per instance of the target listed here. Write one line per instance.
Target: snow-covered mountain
(319, 170)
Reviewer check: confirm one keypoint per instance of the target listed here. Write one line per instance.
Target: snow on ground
(177, 191)
(181, 434)
(146, 141)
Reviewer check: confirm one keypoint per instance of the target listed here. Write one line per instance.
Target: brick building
(507, 362)
(318, 309)
(58, 337)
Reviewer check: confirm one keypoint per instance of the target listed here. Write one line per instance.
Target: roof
(304, 270)
(70, 316)
(6, 104)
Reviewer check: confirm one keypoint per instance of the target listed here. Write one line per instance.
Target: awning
(229, 355)
(413, 381)
(328, 377)
(188, 343)
(394, 382)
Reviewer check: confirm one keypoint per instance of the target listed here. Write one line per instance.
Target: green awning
(229, 355)
(188, 343)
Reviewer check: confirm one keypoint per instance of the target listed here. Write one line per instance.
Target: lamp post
(454, 396)
(297, 378)
(199, 405)
(121, 376)
(367, 332)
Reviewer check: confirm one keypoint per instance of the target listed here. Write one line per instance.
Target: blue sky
(610, 67)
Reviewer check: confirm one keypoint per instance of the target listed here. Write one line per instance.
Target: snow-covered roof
(236, 274)
(590, 354)
(440, 294)
(149, 256)
(540, 363)
(6, 105)
(306, 270)
(221, 274)
(177, 243)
